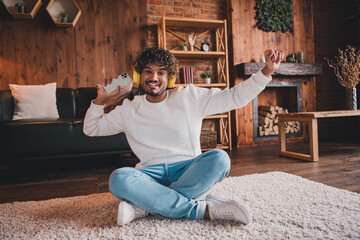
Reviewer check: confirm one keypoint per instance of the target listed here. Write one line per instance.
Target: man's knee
(220, 160)
(120, 181)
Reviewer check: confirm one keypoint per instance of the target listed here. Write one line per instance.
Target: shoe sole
(238, 214)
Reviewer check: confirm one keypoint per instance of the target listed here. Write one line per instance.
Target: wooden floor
(339, 166)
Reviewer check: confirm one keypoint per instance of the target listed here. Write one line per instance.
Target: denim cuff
(200, 210)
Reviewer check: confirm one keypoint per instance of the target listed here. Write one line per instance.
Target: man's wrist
(267, 71)
(100, 101)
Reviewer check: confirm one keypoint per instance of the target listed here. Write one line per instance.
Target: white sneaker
(220, 209)
(128, 212)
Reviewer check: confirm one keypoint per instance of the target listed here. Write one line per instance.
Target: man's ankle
(207, 214)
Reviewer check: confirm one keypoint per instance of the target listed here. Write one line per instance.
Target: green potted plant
(21, 7)
(63, 15)
(183, 46)
(207, 75)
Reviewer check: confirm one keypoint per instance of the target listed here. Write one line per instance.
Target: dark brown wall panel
(336, 24)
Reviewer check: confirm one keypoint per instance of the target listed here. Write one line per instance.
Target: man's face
(154, 79)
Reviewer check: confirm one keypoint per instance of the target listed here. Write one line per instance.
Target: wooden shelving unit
(31, 8)
(69, 6)
(197, 54)
(218, 53)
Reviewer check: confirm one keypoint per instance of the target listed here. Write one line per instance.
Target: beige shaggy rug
(284, 206)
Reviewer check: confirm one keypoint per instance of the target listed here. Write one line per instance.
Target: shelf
(285, 69)
(72, 9)
(31, 7)
(204, 85)
(191, 23)
(216, 116)
(218, 146)
(198, 54)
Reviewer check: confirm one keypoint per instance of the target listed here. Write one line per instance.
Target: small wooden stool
(311, 118)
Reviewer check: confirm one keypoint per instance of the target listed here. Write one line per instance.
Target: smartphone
(121, 81)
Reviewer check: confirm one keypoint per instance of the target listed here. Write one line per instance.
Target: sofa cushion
(34, 101)
(65, 100)
(84, 96)
(29, 138)
(6, 106)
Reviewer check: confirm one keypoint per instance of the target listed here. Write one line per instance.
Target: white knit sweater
(169, 131)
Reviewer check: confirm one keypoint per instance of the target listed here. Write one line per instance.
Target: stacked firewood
(268, 123)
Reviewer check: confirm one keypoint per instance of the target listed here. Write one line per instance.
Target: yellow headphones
(136, 80)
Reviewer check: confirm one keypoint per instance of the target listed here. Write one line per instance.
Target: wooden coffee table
(311, 118)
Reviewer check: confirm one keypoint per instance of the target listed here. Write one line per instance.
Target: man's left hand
(273, 59)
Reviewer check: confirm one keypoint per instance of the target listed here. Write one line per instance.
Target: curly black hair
(156, 56)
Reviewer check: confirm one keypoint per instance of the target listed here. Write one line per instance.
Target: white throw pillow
(34, 101)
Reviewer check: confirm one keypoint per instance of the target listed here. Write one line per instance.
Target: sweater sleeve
(96, 123)
(214, 101)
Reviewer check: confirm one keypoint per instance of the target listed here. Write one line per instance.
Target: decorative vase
(262, 59)
(300, 57)
(351, 100)
(207, 80)
(184, 48)
(21, 9)
(64, 19)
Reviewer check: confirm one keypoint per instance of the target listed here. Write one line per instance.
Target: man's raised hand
(119, 93)
(273, 59)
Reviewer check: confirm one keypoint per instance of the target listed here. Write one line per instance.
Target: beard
(155, 94)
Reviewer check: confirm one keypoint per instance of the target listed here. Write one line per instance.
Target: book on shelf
(186, 75)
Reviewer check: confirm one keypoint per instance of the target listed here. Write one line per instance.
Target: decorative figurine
(291, 58)
(191, 39)
(262, 58)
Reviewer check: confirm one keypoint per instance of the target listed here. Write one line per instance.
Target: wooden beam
(285, 69)
(282, 136)
(319, 114)
(296, 155)
(314, 145)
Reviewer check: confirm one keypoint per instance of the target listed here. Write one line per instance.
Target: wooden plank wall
(249, 43)
(103, 43)
(336, 24)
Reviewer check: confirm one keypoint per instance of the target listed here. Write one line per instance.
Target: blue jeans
(169, 189)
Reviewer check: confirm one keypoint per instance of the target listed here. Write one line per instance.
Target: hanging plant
(274, 15)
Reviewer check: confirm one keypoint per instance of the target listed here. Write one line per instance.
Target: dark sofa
(54, 138)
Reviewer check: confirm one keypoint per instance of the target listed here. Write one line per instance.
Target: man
(163, 129)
